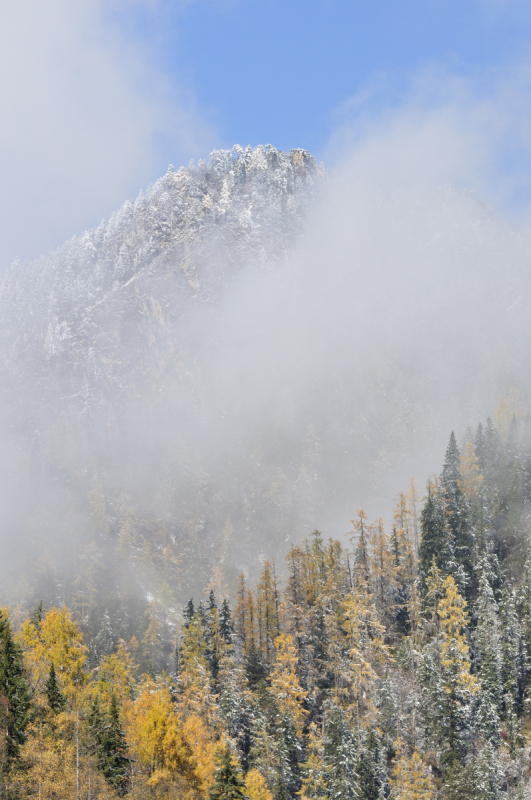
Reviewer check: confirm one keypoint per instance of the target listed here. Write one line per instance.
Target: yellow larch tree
(313, 771)
(285, 685)
(470, 477)
(367, 652)
(411, 778)
(196, 695)
(157, 738)
(267, 605)
(384, 582)
(116, 675)
(256, 786)
(455, 658)
(55, 640)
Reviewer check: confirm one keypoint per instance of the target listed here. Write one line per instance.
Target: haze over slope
(247, 352)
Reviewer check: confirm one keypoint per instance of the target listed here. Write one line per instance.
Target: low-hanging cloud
(216, 401)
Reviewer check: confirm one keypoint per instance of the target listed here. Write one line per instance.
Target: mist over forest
(254, 349)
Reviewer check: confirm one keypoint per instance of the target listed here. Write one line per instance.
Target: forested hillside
(394, 663)
(249, 350)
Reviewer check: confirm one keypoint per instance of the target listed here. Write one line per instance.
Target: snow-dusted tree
(340, 757)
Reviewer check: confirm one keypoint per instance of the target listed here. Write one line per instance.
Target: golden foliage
(256, 786)
(58, 640)
(285, 685)
(411, 779)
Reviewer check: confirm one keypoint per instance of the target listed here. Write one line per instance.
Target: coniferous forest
(395, 663)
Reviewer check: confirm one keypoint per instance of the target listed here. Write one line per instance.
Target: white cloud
(472, 132)
(87, 120)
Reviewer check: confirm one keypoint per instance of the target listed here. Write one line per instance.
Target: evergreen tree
(372, 768)
(487, 647)
(112, 751)
(228, 784)
(340, 757)
(235, 705)
(458, 517)
(513, 666)
(37, 615)
(226, 628)
(254, 668)
(189, 613)
(289, 752)
(95, 727)
(478, 779)
(56, 699)
(436, 541)
(14, 696)
(106, 741)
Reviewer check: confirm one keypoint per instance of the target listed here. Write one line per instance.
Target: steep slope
(246, 353)
(103, 395)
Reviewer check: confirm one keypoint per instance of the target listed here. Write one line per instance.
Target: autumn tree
(411, 779)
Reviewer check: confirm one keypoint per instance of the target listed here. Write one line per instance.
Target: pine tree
(478, 779)
(37, 615)
(56, 699)
(254, 668)
(228, 784)
(512, 654)
(235, 705)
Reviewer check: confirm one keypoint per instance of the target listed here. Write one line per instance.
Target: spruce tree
(95, 727)
(436, 542)
(457, 517)
(56, 699)
(371, 769)
(226, 628)
(14, 696)
(37, 615)
(112, 751)
(228, 784)
(487, 645)
(254, 668)
(340, 757)
(107, 743)
(189, 613)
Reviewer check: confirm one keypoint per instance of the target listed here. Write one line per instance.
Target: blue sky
(282, 71)
(99, 96)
